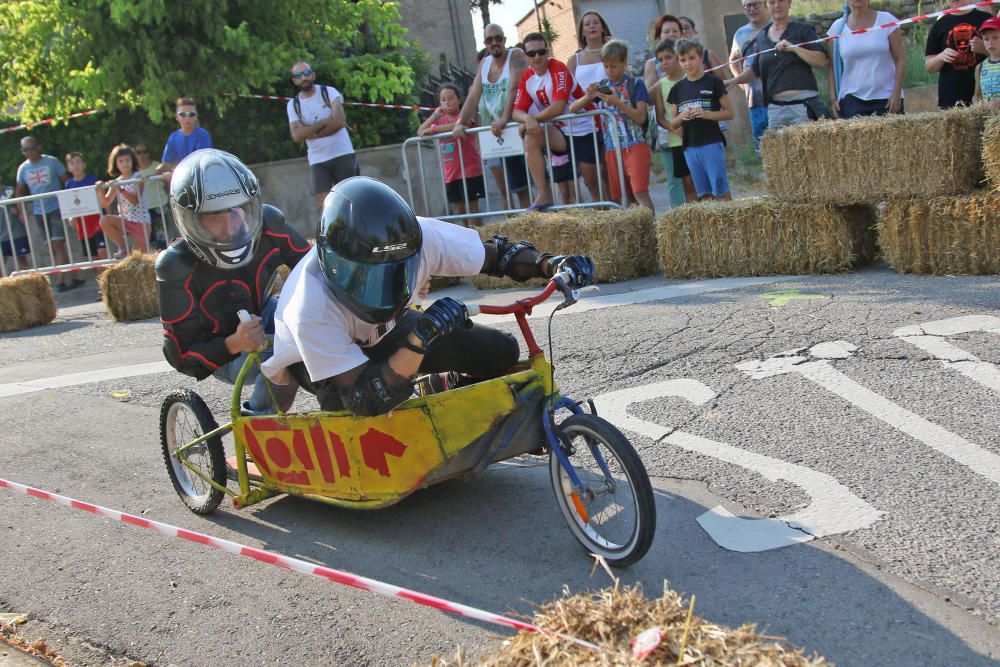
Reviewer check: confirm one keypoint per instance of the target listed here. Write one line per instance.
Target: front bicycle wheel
(183, 418)
(613, 514)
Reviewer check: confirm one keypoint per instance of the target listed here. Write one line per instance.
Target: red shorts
(635, 159)
(87, 226)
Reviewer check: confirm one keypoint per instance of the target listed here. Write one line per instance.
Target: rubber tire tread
(216, 452)
(616, 441)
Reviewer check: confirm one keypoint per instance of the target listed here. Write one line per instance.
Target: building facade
(443, 27)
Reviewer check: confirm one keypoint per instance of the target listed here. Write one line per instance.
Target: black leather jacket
(198, 303)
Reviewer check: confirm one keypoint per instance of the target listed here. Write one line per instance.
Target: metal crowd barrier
(80, 255)
(436, 179)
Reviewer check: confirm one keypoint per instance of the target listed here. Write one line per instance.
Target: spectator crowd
(676, 111)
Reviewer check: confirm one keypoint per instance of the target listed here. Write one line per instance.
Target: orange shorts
(635, 159)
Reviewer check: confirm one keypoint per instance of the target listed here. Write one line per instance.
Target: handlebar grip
(472, 309)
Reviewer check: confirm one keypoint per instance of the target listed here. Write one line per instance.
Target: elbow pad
(376, 391)
(519, 261)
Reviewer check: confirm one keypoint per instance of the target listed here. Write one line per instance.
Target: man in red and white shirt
(548, 86)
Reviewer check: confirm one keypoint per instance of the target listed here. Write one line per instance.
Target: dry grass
(761, 236)
(621, 242)
(957, 235)
(128, 288)
(991, 150)
(612, 617)
(866, 160)
(26, 301)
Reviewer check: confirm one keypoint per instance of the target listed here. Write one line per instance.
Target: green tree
(483, 7)
(61, 56)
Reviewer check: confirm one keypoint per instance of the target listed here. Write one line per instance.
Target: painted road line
(833, 508)
(86, 377)
(822, 373)
(677, 291)
(930, 337)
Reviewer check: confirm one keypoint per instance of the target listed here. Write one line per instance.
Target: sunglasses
(187, 114)
(537, 52)
(495, 39)
(305, 72)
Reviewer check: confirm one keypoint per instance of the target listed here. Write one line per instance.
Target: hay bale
(444, 282)
(128, 288)
(612, 617)
(991, 150)
(957, 235)
(872, 159)
(761, 236)
(620, 241)
(26, 301)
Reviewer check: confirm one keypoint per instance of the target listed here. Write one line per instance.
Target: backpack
(630, 88)
(297, 105)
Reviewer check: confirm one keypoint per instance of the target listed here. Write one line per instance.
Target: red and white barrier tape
(861, 31)
(46, 121)
(288, 563)
(373, 105)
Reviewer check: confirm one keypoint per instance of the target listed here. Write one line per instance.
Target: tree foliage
(483, 7)
(61, 56)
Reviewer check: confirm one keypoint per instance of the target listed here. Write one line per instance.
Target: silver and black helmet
(216, 203)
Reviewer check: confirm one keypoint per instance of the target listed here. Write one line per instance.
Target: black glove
(441, 318)
(580, 267)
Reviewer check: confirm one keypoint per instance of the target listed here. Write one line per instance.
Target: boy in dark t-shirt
(699, 102)
(954, 49)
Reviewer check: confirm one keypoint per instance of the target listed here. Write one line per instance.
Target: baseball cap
(990, 24)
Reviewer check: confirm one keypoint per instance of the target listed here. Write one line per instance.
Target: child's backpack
(630, 88)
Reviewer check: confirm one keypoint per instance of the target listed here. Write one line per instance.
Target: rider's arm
(187, 347)
(290, 243)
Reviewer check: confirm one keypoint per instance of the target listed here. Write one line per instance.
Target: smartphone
(604, 90)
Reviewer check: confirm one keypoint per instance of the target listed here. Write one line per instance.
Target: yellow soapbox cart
(600, 483)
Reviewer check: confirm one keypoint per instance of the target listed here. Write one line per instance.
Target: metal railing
(42, 253)
(603, 199)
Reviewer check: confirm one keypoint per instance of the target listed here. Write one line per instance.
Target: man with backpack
(625, 96)
(316, 116)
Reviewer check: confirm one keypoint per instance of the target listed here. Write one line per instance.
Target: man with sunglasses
(548, 88)
(743, 47)
(492, 92)
(316, 116)
(188, 139)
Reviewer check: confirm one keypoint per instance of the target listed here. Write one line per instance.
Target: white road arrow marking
(822, 373)
(930, 337)
(833, 508)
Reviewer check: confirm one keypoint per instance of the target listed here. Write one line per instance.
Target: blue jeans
(675, 186)
(260, 400)
(852, 107)
(758, 124)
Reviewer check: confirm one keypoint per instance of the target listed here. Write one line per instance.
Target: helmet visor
(373, 292)
(229, 228)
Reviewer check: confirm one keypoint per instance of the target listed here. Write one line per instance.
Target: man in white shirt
(343, 329)
(316, 116)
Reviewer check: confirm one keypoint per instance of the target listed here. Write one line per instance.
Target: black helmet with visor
(368, 243)
(216, 203)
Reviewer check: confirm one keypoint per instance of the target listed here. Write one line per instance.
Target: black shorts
(584, 148)
(456, 191)
(327, 174)
(680, 164)
(517, 173)
(92, 244)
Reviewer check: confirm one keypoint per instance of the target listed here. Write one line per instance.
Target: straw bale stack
(128, 288)
(761, 236)
(991, 150)
(26, 301)
(444, 282)
(957, 235)
(612, 617)
(622, 242)
(865, 160)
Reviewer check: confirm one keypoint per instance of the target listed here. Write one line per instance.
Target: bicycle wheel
(184, 417)
(615, 515)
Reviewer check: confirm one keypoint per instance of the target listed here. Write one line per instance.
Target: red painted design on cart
(278, 453)
(375, 445)
(340, 453)
(322, 453)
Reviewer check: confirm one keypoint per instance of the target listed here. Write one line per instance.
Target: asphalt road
(844, 496)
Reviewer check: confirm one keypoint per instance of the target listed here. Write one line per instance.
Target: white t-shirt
(869, 71)
(312, 326)
(313, 111)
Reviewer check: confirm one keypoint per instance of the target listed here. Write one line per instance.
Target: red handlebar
(521, 305)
